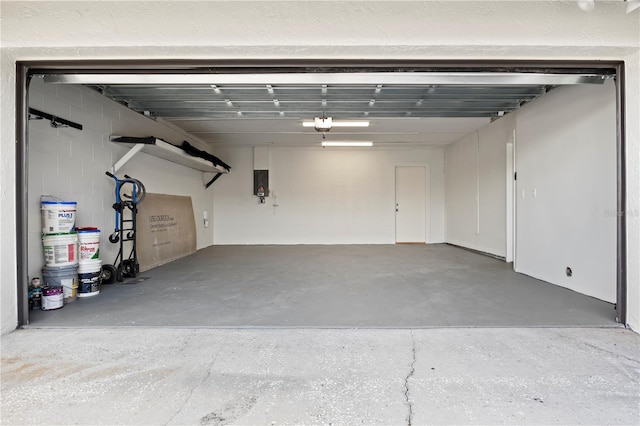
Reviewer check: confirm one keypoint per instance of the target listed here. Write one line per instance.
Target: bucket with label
(60, 249)
(89, 277)
(58, 216)
(52, 298)
(65, 277)
(88, 244)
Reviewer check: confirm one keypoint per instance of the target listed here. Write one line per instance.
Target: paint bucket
(58, 216)
(60, 249)
(52, 298)
(65, 277)
(88, 244)
(89, 276)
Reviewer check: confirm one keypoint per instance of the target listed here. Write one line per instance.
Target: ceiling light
(270, 89)
(341, 123)
(228, 102)
(586, 5)
(216, 89)
(347, 143)
(276, 102)
(378, 89)
(360, 78)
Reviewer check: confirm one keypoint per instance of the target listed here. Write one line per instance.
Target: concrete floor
(138, 376)
(396, 286)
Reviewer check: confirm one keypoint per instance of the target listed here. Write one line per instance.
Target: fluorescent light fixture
(311, 78)
(339, 123)
(347, 143)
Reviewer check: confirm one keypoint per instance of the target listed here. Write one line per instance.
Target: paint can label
(52, 299)
(89, 283)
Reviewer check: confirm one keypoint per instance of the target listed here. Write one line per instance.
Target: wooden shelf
(161, 149)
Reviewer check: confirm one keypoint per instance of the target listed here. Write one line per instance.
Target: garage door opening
(334, 197)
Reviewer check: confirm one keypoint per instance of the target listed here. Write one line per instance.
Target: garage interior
(329, 246)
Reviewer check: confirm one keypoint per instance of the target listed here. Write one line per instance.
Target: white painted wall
(292, 30)
(475, 188)
(324, 196)
(566, 154)
(71, 164)
(632, 213)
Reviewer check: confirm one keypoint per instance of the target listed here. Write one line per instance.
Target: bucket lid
(59, 202)
(59, 234)
(90, 263)
(87, 230)
(55, 269)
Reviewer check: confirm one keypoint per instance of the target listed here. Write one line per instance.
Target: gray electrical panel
(261, 183)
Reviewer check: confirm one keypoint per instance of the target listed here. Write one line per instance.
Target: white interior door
(411, 204)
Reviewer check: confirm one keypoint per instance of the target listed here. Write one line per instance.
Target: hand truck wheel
(108, 274)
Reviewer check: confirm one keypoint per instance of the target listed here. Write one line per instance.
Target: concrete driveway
(171, 376)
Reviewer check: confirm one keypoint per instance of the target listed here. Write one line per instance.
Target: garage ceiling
(404, 108)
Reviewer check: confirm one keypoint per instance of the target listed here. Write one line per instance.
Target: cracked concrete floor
(321, 376)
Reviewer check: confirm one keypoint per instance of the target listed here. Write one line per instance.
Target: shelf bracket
(215, 178)
(128, 156)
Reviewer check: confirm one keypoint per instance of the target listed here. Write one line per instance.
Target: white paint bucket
(88, 244)
(52, 298)
(60, 249)
(65, 277)
(89, 277)
(58, 216)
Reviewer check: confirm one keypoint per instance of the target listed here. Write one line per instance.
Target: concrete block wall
(566, 189)
(70, 164)
(475, 188)
(565, 193)
(323, 196)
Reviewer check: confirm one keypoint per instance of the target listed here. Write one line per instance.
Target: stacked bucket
(60, 244)
(72, 265)
(89, 263)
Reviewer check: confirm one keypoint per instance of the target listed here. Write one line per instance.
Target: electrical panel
(261, 183)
